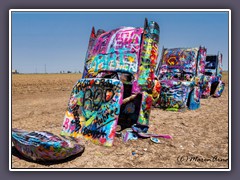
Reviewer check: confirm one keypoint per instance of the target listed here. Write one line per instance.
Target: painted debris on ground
(45, 146)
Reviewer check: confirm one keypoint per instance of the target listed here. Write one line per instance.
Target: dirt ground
(200, 137)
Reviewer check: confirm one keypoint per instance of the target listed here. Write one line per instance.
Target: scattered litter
(133, 153)
(139, 128)
(145, 149)
(129, 135)
(142, 132)
(155, 140)
(147, 135)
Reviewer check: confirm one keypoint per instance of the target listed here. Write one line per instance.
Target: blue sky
(59, 40)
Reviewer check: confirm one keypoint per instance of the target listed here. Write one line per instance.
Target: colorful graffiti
(145, 109)
(173, 95)
(127, 55)
(180, 73)
(119, 86)
(219, 89)
(149, 55)
(116, 50)
(93, 110)
(43, 145)
(212, 83)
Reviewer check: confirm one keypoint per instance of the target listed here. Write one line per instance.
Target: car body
(212, 82)
(180, 73)
(117, 83)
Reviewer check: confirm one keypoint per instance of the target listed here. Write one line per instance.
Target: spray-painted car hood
(93, 110)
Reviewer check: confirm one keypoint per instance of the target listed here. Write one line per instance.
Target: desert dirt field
(200, 137)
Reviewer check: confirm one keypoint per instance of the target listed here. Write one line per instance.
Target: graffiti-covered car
(117, 83)
(180, 73)
(212, 82)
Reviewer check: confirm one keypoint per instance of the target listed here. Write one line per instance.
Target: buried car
(180, 73)
(212, 82)
(117, 84)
